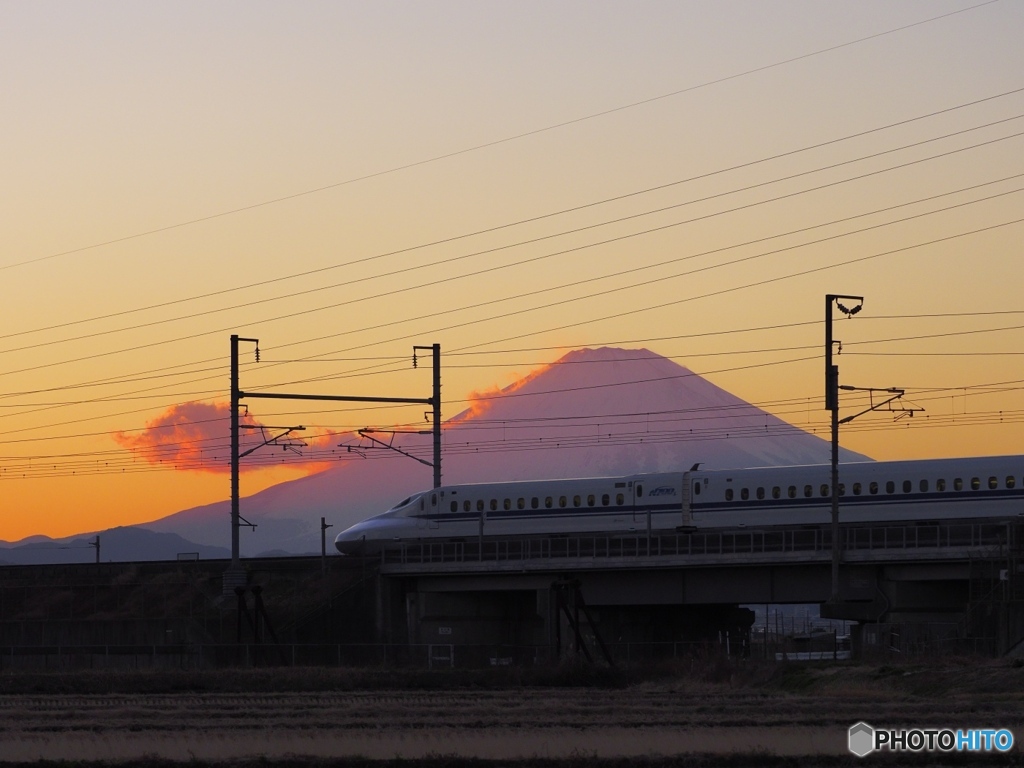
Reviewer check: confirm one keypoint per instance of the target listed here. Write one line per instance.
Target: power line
(498, 142)
(544, 238)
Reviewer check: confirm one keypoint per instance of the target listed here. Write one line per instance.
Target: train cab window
(576, 501)
(808, 491)
(744, 494)
(591, 500)
(563, 502)
(890, 487)
(824, 489)
(791, 491)
(958, 484)
(494, 505)
(507, 504)
(907, 486)
(975, 483)
(856, 489)
(455, 506)
(923, 486)
(534, 503)
(479, 505)
(520, 503)
(873, 488)
(605, 500)
(1011, 481)
(728, 494)
(940, 484)
(548, 502)
(620, 499)
(993, 483)
(776, 492)
(467, 505)
(760, 493)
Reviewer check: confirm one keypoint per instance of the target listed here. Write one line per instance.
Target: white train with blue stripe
(870, 492)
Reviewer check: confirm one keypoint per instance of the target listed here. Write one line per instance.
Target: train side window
(605, 500)
(534, 503)
(993, 483)
(856, 489)
(639, 490)
(480, 505)
(590, 500)
(467, 505)
(696, 487)
(744, 493)
(842, 489)
(907, 486)
(576, 501)
(873, 488)
(728, 494)
(507, 504)
(975, 483)
(890, 486)
(548, 502)
(520, 503)
(791, 491)
(620, 499)
(433, 499)
(455, 506)
(1011, 481)
(494, 505)
(776, 492)
(940, 484)
(562, 502)
(824, 489)
(958, 484)
(760, 493)
(923, 485)
(808, 491)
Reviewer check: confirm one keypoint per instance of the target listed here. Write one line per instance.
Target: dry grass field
(715, 716)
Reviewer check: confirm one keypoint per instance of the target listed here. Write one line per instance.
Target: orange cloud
(197, 437)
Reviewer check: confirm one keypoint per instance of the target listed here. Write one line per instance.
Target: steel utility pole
(235, 396)
(832, 404)
(323, 544)
(435, 350)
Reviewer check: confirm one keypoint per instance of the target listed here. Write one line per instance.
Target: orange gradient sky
(345, 180)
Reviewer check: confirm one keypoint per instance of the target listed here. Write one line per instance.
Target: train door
(641, 514)
(427, 518)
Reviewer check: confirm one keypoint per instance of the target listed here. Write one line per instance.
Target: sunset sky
(345, 180)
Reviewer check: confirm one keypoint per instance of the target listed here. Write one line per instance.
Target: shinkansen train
(891, 491)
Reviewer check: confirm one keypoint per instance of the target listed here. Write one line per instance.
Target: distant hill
(116, 544)
(594, 412)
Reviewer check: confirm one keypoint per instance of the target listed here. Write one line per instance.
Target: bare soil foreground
(713, 717)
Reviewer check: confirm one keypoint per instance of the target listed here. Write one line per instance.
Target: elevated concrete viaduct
(965, 578)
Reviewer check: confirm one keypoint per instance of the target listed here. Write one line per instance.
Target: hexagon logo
(861, 739)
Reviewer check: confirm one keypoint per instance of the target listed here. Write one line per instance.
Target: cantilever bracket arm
(390, 445)
(270, 440)
(895, 394)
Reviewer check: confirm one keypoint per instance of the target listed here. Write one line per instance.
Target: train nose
(350, 542)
